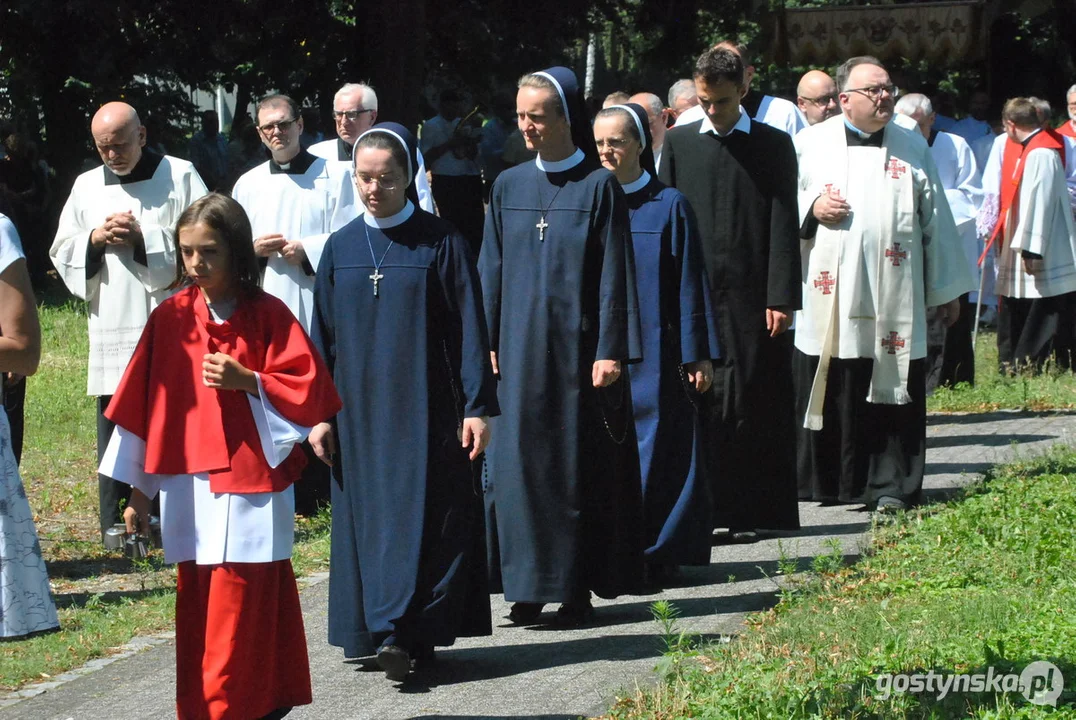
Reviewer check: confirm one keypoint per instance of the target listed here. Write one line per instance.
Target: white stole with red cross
(883, 213)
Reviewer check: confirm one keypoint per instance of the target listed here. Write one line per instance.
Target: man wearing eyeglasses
(879, 248)
(816, 97)
(355, 112)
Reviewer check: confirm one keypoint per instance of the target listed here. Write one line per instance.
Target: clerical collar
(1026, 140)
(392, 220)
(858, 138)
(933, 137)
(298, 165)
(143, 170)
(552, 166)
(743, 125)
(343, 149)
(637, 185)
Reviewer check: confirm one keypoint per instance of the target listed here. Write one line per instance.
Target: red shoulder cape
(190, 428)
(1012, 174)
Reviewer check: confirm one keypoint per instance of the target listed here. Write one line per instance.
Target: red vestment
(1066, 129)
(240, 644)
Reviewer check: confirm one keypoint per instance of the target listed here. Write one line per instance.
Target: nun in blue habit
(679, 338)
(563, 495)
(399, 319)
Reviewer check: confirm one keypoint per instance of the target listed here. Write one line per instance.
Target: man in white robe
(975, 125)
(682, 97)
(773, 111)
(1034, 243)
(294, 201)
(355, 112)
(816, 97)
(951, 359)
(114, 248)
(879, 248)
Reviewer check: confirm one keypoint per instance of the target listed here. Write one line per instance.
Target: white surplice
(212, 528)
(870, 278)
(330, 150)
(1043, 226)
(304, 208)
(960, 177)
(124, 292)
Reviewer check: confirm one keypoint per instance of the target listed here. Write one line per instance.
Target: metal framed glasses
(875, 92)
(385, 182)
(281, 125)
(351, 115)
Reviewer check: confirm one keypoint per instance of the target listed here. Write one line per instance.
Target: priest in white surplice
(1034, 244)
(355, 112)
(114, 248)
(951, 359)
(879, 248)
(294, 201)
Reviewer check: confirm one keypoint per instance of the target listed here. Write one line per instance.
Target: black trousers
(109, 492)
(312, 488)
(1032, 331)
(14, 405)
(459, 200)
(865, 450)
(954, 361)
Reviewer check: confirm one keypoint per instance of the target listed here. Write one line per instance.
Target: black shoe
(574, 614)
(395, 661)
(425, 657)
(889, 504)
(525, 613)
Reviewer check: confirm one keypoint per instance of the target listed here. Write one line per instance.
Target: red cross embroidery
(896, 255)
(833, 190)
(893, 342)
(825, 282)
(895, 168)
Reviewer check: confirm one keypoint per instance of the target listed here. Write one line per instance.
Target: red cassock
(240, 643)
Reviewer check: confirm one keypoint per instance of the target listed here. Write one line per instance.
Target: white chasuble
(960, 177)
(212, 528)
(1039, 222)
(124, 291)
(869, 279)
(304, 207)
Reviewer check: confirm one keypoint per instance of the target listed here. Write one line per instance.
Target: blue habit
(677, 327)
(407, 545)
(563, 495)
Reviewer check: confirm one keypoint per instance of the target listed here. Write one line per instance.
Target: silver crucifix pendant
(376, 277)
(541, 225)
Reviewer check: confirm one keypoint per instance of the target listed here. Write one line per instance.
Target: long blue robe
(407, 550)
(563, 496)
(677, 327)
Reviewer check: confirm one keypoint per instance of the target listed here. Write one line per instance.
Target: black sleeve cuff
(95, 258)
(809, 228)
(308, 268)
(140, 254)
(1030, 255)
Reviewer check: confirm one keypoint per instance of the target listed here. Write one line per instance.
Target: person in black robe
(740, 177)
(679, 336)
(563, 498)
(399, 319)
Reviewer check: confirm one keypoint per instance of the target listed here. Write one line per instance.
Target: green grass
(103, 599)
(983, 581)
(1052, 390)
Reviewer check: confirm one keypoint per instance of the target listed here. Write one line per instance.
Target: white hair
(913, 103)
(681, 88)
(1072, 91)
(369, 97)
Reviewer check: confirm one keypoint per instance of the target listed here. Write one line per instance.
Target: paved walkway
(532, 673)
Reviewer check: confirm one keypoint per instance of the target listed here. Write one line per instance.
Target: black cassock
(563, 497)
(407, 546)
(743, 189)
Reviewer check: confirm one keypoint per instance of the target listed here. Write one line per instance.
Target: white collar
(636, 185)
(743, 125)
(392, 220)
(560, 165)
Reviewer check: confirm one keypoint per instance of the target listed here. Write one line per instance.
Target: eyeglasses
(823, 100)
(875, 93)
(351, 115)
(282, 125)
(611, 143)
(385, 182)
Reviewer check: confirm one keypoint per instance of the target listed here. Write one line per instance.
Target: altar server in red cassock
(223, 385)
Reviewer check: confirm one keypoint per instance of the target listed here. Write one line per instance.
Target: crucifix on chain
(376, 277)
(541, 225)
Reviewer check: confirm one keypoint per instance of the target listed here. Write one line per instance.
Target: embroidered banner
(935, 31)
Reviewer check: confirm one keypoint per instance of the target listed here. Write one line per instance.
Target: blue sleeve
(323, 323)
(619, 332)
(489, 267)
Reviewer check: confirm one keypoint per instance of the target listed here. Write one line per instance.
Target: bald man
(658, 115)
(114, 248)
(816, 97)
